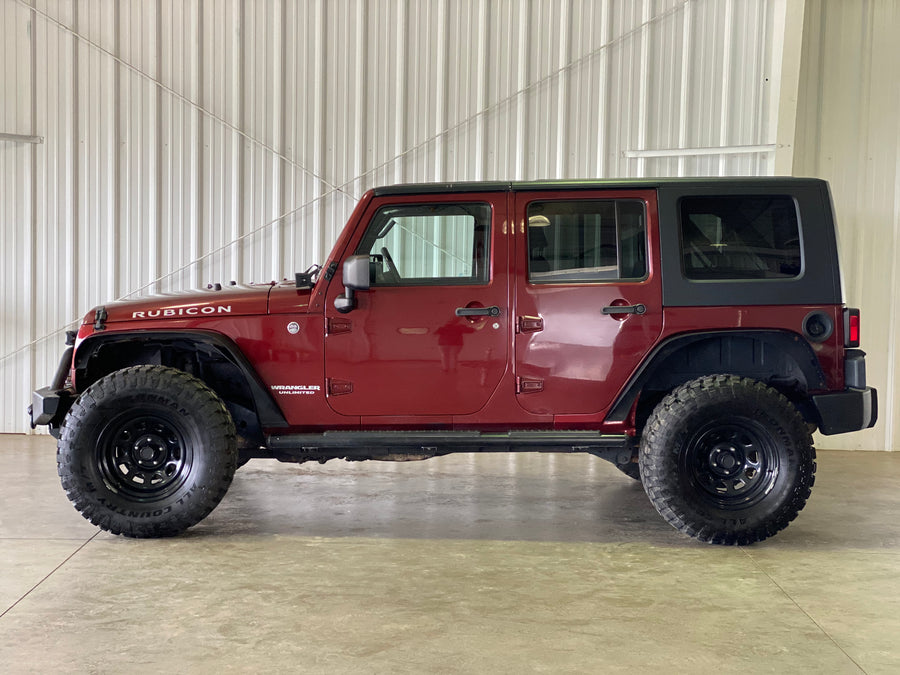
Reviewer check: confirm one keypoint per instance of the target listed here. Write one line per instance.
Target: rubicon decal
(296, 389)
(182, 311)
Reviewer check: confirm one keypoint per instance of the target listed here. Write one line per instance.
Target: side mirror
(358, 272)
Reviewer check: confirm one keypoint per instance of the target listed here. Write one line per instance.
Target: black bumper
(848, 410)
(50, 404)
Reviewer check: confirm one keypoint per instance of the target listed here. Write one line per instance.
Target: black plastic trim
(845, 411)
(855, 369)
(493, 310)
(792, 344)
(270, 415)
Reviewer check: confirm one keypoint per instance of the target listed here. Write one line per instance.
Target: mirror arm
(346, 302)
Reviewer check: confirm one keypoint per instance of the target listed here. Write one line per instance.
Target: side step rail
(374, 444)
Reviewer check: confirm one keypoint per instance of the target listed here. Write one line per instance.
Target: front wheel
(727, 460)
(147, 451)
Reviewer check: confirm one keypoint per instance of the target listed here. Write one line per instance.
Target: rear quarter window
(740, 237)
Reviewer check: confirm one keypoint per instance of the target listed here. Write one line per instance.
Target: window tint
(586, 241)
(429, 244)
(740, 238)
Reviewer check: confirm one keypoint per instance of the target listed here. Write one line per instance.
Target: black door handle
(478, 311)
(625, 309)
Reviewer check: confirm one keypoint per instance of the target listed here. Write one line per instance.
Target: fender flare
(792, 344)
(270, 415)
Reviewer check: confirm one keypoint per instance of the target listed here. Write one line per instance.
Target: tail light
(851, 327)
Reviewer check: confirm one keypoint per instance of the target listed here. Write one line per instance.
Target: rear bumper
(848, 410)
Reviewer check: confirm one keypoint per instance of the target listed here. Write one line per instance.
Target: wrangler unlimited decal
(296, 389)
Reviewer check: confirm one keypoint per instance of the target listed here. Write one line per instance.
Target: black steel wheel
(147, 451)
(727, 460)
(146, 457)
(732, 462)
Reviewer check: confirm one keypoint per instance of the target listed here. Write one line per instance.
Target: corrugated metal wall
(204, 140)
(848, 131)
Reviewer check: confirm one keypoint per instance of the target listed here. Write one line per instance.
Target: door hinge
(529, 385)
(530, 324)
(337, 325)
(339, 387)
(332, 268)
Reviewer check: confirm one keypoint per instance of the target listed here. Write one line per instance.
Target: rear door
(588, 298)
(430, 337)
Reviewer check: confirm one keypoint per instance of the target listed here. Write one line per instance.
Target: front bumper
(50, 404)
(849, 410)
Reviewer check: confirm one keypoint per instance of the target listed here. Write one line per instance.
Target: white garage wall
(848, 131)
(186, 142)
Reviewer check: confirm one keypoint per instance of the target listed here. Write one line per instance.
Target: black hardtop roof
(715, 183)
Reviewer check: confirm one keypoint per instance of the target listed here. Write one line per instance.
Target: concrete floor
(461, 564)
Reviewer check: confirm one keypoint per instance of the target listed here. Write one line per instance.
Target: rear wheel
(727, 460)
(147, 452)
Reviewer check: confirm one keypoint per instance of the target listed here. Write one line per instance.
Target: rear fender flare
(792, 345)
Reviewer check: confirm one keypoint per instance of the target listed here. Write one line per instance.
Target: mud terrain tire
(727, 460)
(147, 451)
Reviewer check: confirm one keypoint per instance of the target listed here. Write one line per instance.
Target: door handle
(478, 311)
(625, 309)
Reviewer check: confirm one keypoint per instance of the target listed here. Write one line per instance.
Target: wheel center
(725, 460)
(149, 451)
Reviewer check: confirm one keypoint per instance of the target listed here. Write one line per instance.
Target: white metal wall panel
(190, 141)
(17, 203)
(848, 132)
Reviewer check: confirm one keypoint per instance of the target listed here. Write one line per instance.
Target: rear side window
(751, 237)
(586, 241)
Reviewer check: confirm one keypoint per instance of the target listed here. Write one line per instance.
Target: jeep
(690, 331)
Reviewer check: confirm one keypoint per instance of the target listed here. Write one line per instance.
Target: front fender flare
(270, 415)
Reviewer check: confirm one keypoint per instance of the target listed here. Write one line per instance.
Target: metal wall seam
(33, 222)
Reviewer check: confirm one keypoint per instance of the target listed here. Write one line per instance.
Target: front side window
(429, 244)
(586, 241)
(740, 237)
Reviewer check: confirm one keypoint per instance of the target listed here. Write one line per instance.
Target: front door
(430, 337)
(588, 302)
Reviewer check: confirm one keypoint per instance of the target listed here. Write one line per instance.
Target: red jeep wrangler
(691, 331)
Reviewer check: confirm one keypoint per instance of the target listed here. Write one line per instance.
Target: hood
(231, 300)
